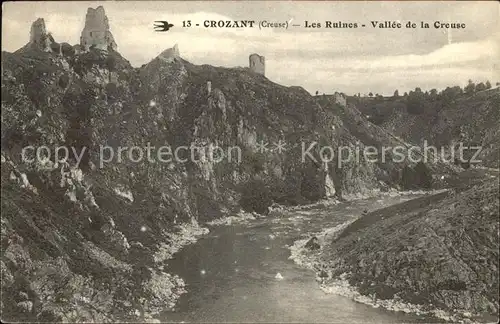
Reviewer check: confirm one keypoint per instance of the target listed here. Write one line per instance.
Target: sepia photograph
(250, 161)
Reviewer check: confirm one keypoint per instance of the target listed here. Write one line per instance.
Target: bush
(112, 90)
(423, 176)
(481, 87)
(312, 186)
(63, 81)
(253, 162)
(419, 177)
(110, 63)
(408, 178)
(415, 102)
(470, 88)
(256, 197)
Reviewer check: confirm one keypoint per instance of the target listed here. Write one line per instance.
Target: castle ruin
(39, 38)
(257, 64)
(96, 31)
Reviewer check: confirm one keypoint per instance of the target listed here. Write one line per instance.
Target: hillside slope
(473, 119)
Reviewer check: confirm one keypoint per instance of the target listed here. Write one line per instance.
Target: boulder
(313, 244)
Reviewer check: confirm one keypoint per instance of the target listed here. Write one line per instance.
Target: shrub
(112, 90)
(110, 63)
(253, 162)
(256, 197)
(415, 102)
(423, 176)
(408, 178)
(470, 88)
(63, 81)
(419, 177)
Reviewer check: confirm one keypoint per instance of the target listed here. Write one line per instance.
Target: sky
(352, 61)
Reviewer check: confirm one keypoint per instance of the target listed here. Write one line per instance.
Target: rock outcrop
(39, 37)
(257, 64)
(170, 54)
(96, 32)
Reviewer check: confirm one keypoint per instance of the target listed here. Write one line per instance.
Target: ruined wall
(96, 31)
(257, 64)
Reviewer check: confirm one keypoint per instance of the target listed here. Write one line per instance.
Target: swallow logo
(162, 26)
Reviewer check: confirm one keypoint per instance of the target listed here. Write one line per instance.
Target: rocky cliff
(84, 238)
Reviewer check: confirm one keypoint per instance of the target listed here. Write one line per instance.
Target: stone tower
(257, 64)
(96, 31)
(39, 38)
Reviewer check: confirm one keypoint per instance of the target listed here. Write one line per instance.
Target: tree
(480, 87)
(396, 93)
(370, 94)
(256, 196)
(317, 92)
(416, 178)
(408, 178)
(450, 94)
(433, 94)
(415, 102)
(488, 85)
(423, 176)
(470, 88)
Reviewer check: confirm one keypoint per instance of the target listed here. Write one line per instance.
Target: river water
(231, 273)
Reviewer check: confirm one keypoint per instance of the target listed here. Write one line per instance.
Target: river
(231, 272)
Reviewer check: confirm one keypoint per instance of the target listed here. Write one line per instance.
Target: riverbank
(276, 209)
(242, 272)
(434, 255)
